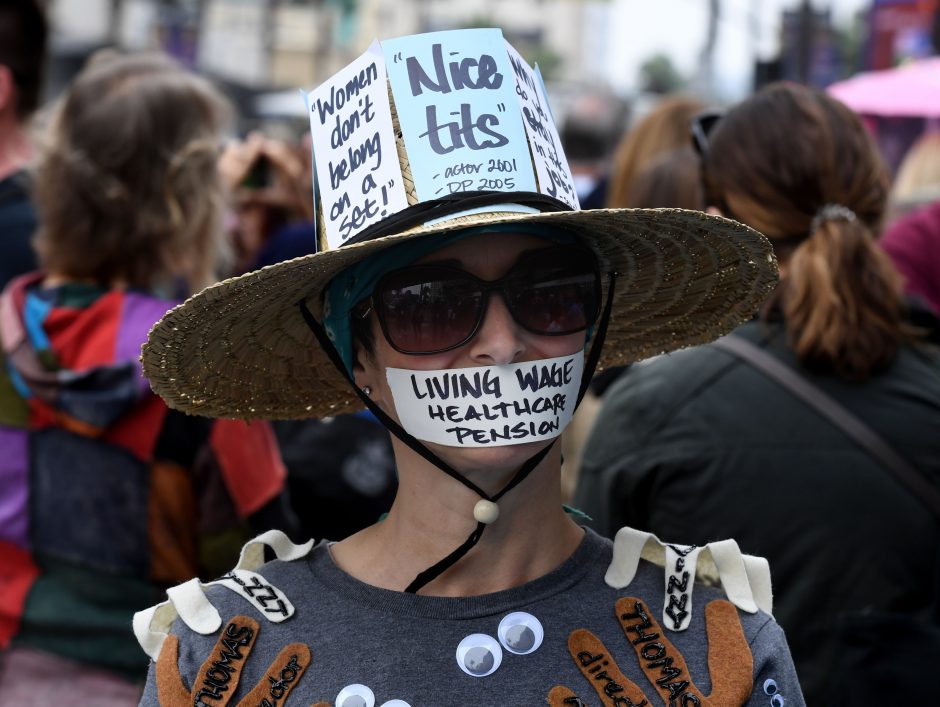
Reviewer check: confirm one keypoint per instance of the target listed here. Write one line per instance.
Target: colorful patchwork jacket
(633, 623)
(106, 496)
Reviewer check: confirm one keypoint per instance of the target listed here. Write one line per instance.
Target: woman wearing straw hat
(461, 296)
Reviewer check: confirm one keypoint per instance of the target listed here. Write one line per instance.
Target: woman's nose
(498, 340)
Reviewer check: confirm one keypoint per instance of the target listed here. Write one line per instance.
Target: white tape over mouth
(488, 406)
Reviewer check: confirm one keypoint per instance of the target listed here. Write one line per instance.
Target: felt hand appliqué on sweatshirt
(218, 678)
(729, 662)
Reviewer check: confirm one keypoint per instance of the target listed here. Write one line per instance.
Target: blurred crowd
(135, 190)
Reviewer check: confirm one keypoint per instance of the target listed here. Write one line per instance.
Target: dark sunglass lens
(557, 297)
(424, 310)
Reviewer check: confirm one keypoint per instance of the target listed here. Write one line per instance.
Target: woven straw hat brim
(241, 349)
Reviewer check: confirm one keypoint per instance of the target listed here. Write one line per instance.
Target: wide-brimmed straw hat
(241, 348)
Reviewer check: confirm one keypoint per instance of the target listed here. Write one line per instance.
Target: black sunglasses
(428, 309)
(701, 126)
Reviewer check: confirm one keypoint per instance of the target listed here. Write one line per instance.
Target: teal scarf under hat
(357, 282)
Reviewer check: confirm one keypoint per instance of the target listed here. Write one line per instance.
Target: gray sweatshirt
(370, 647)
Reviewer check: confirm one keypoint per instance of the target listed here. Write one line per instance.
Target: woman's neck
(433, 515)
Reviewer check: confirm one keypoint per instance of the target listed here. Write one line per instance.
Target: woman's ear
(366, 372)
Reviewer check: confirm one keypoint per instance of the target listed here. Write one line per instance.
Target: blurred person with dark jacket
(23, 33)
(702, 445)
(108, 497)
(592, 126)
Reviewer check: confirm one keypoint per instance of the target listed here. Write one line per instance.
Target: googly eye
(395, 703)
(479, 655)
(777, 701)
(355, 696)
(520, 633)
(770, 687)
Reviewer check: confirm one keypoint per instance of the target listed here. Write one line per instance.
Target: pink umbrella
(909, 90)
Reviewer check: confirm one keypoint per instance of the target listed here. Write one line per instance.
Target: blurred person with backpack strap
(702, 444)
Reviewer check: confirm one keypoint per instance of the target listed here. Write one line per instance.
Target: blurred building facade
(884, 34)
(262, 44)
(900, 30)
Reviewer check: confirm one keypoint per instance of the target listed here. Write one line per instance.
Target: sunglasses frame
(701, 126)
(486, 287)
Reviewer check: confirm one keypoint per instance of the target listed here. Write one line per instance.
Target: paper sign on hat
(554, 174)
(473, 117)
(357, 168)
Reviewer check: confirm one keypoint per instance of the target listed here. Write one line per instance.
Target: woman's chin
(486, 465)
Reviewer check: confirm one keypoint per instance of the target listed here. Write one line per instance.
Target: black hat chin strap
(396, 429)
